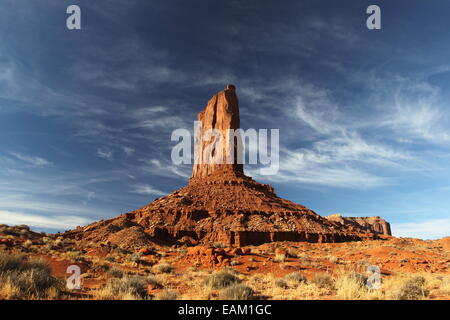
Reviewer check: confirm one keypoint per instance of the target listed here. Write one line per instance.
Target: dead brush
(237, 292)
(27, 279)
(126, 288)
(413, 289)
(323, 280)
(221, 279)
(163, 267)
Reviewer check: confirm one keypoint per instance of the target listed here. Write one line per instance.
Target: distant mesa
(223, 205)
(375, 225)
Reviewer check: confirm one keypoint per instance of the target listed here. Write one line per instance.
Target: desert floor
(35, 266)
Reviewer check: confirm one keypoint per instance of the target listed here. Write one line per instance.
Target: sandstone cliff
(375, 225)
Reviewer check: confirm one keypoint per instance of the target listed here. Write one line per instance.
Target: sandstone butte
(221, 204)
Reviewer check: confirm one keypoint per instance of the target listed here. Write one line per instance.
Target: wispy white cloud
(146, 190)
(165, 169)
(315, 108)
(54, 222)
(128, 150)
(428, 229)
(34, 161)
(21, 202)
(420, 119)
(315, 169)
(105, 154)
(336, 154)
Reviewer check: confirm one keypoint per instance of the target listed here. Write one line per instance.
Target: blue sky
(86, 116)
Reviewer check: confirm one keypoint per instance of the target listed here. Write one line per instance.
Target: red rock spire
(219, 159)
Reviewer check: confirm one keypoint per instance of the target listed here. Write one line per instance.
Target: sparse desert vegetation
(21, 278)
(34, 266)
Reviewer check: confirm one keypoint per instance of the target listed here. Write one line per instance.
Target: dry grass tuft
(413, 289)
(323, 280)
(127, 288)
(237, 292)
(221, 279)
(295, 277)
(167, 295)
(27, 279)
(163, 267)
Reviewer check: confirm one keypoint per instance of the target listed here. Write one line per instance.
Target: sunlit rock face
(216, 156)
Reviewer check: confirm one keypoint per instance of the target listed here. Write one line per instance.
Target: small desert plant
(11, 262)
(116, 272)
(352, 286)
(323, 280)
(167, 295)
(110, 258)
(333, 259)
(413, 289)
(163, 267)
(135, 257)
(221, 279)
(445, 286)
(295, 277)
(237, 292)
(279, 258)
(76, 256)
(126, 288)
(151, 280)
(280, 283)
(120, 250)
(28, 243)
(103, 266)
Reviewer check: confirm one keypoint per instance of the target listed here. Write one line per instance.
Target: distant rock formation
(220, 204)
(375, 225)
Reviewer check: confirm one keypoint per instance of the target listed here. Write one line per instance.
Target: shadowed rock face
(220, 204)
